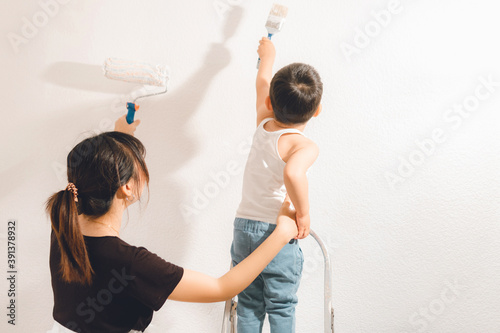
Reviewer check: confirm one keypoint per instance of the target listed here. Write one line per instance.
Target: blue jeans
(274, 291)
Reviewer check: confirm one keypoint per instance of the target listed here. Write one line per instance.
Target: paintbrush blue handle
(131, 112)
(258, 61)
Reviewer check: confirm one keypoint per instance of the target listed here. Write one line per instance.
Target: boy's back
(263, 186)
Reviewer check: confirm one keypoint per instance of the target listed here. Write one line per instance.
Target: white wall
(416, 254)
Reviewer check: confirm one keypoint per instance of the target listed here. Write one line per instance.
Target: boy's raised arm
(267, 54)
(297, 186)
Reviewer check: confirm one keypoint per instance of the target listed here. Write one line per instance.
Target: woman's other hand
(121, 125)
(286, 220)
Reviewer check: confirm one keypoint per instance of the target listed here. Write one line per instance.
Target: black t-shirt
(128, 285)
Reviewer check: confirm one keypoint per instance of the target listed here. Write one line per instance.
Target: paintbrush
(275, 21)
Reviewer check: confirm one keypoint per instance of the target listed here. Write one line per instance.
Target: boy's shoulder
(291, 143)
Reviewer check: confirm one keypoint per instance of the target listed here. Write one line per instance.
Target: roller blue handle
(130, 113)
(258, 61)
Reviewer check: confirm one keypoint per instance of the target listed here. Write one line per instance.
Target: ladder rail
(328, 284)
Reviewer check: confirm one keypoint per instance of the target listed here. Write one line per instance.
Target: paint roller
(136, 72)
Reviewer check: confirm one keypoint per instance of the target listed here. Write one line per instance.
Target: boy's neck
(299, 127)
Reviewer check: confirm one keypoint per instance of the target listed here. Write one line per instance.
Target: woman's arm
(198, 287)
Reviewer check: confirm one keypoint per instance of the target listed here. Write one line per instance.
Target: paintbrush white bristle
(276, 18)
(279, 11)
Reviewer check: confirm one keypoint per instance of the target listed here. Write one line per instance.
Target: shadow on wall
(83, 77)
(176, 108)
(178, 135)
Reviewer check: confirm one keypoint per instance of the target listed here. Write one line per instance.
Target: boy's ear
(268, 103)
(318, 110)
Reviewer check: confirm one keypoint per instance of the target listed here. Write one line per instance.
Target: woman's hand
(121, 125)
(286, 221)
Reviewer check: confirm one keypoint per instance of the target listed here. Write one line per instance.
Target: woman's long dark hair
(97, 166)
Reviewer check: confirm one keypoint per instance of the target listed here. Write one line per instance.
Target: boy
(276, 170)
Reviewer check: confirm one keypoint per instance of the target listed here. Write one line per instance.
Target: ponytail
(75, 265)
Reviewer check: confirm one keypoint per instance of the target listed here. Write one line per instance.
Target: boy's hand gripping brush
(136, 72)
(275, 21)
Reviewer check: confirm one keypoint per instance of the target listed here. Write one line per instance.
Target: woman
(100, 282)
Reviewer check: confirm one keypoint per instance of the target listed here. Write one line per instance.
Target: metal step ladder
(229, 318)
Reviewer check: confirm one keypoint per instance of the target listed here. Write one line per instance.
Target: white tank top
(263, 186)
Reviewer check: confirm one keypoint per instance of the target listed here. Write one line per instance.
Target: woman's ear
(269, 106)
(125, 191)
(318, 110)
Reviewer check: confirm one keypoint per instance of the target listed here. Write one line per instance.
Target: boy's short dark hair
(295, 93)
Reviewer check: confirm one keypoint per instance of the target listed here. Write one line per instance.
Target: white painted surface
(420, 256)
